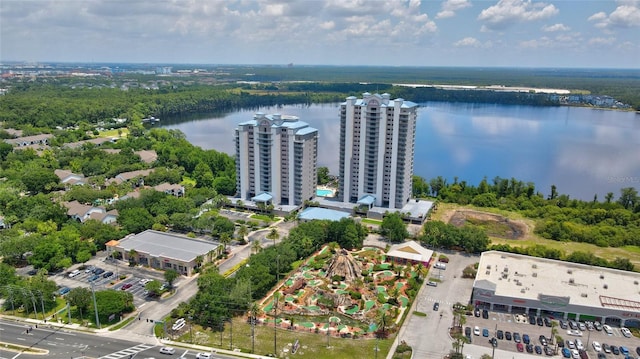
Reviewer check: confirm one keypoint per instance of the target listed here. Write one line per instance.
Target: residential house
(83, 212)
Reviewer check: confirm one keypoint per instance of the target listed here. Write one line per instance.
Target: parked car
(606, 348)
(129, 285)
(596, 346)
(507, 335)
(624, 351)
(590, 326)
(564, 325)
(547, 322)
(574, 332)
(597, 325)
(548, 350)
(579, 344)
(543, 340)
(566, 352)
(107, 274)
(485, 314)
(494, 342)
(582, 326)
(526, 339)
(626, 332)
(540, 321)
(638, 350)
(500, 335)
(476, 330)
(615, 350)
(583, 354)
(204, 356)
(520, 347)
(529, 348)
(64, 290)
(89, 269)
(516, 337)
(167, 350)
(98, 270)
(575, 354)
(485, 332)
(602, 356)
(607, 329)
(467, 331)
(538, 349)
(94, 278)
(571, 344)
(74, 273)
(573, 325)
(432, 283)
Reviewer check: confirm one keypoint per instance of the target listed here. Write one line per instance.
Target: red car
(126, 286)
(520, 347)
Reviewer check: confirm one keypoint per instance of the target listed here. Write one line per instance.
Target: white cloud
(450, 7)
(508, 12)
(555, 27)
(624, 16)
(602, 41)
(467, 42)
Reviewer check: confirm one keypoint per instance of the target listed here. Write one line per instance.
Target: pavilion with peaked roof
(409, 252)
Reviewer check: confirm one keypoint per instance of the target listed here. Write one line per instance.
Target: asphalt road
(60, 343)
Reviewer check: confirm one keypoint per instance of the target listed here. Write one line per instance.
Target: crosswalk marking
(128, 351)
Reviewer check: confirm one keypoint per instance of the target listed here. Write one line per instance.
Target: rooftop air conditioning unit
(601, 276)
(534, 274)
(571, 281)
(605, 286)
(534, 266)
(583, 295)
(569, 271)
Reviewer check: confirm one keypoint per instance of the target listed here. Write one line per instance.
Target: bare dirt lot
(495, 225)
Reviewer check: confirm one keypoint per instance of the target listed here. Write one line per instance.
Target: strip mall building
(522, 284)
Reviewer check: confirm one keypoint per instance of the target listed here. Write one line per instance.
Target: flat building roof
(526, 277)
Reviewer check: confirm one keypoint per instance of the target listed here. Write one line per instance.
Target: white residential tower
(276, 159)
(377, 138)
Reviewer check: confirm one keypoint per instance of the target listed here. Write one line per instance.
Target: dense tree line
(610, 223)
(469, 238)
(220, 298)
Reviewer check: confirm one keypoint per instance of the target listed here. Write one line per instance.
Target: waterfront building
(377, 140)
(276, 159)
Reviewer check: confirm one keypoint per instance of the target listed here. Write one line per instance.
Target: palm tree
(256, 247)
(274, 235)
(242, 232)
(133, 257)
(199, 260)
(225, 239)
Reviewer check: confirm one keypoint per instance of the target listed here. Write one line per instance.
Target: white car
(167, 350)
(626, 332)
(144, 281)
(596, 346)
(575, 354)
(607, 329)
(203, 356)
(579, 344)
(574, 332)
(476, 330)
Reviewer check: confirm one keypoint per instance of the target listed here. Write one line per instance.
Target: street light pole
(95, 306)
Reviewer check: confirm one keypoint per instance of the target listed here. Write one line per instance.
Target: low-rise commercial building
(517, 283)
(164, 251)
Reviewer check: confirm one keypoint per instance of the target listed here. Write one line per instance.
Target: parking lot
(512, 324)
(105, 274)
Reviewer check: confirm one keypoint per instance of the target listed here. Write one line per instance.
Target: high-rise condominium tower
(276, 156)
(377, 138)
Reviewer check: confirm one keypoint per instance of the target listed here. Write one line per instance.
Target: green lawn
(311, 345)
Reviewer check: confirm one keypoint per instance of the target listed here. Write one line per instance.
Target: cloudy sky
(514, 33)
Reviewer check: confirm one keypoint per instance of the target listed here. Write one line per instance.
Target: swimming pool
(324, 192)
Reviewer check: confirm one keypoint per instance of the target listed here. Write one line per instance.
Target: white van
(74, 273)
(440, 265)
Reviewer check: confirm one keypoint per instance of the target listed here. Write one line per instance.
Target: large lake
(582, 151)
